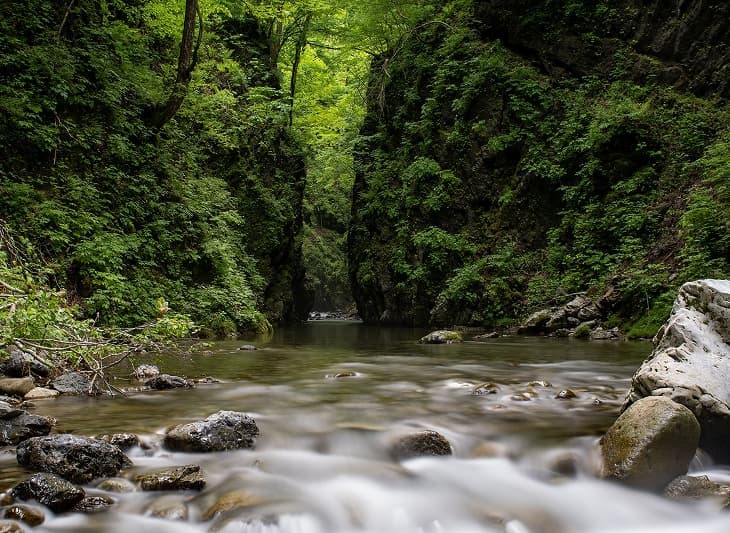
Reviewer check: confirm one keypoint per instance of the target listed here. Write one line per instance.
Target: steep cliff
(205, 213)
(516, 152)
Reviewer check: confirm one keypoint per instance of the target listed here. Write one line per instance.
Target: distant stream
(523, 459)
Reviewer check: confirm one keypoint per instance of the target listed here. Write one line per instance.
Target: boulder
(166, 382)
(50, 490)
(78, 459)
(650, 444)
(74, 383)
(21, 364)
(17, 425)
(24, 513)
(188, 477)
(691, 362)
(441, 337)
(145, 372)
(419, 444)
(40, 393)
(16, 386)
(224, 430)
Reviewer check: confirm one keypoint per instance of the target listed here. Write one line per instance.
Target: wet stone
(248, 348)
(50, 490)
(123, 441)
(25, 513)
(441, 337)
(566, 394)
(521, 397)
(420, 444)
(17, 426)
(698, 488)
(231, 501)
(168, 509)
(224, 430)
(166, 382)
(78, 459)
(93, 504)
(540, 383)
(346, 374)
(41, 393)
(188, 477)
(485, 389)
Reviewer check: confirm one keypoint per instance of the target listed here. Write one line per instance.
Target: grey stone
(22, 426)
(78, 459)
(124, 441)
(40, 393)
(650, 444)
(145, 372)
(248, 348)
(698, 488)
(116, 484)
(50, 490)
(16, 386)
(74, 383)
(93, 504)
(23, 364)
(224, 430)
(600, 334)
(691, 362)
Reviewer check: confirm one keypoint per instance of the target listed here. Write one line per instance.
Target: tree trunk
(185, 64)
(301, 44)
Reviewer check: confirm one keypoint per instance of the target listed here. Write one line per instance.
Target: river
(523, 459)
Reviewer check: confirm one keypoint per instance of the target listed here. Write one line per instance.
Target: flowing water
(523, 460)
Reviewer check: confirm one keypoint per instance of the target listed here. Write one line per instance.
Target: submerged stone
(166, 382)
(188, 477)
(24, 513)
(418, 444)
(441, 337)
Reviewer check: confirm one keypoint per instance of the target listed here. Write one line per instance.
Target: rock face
(224, 430)
(50, 490)
(422, 443)
(78, 459)
(691, 362)
(17, 425)
(650, 444)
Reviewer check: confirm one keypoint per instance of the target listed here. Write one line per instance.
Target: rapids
(523, 459)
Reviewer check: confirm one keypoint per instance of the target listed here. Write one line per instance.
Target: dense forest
(235, 164)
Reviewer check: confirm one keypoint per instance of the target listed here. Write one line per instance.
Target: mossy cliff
(205, 212)
(517, 152)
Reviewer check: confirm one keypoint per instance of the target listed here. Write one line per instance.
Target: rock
(421, 443)
(74, 383)
(650, 444)
(24, 513)
(691, 362)
(78, 459)
(441, 337)
(600, 334)
(345, 374)
(566, 394)
(8, 410)
(40, 393)
(188, 477)
(558, 320)
(23, 364)
(582, 308)
(168, 508)
(16, 386)
(484, 389)
(698, 488)
(93, 504)
(540, 383)
(231, 501)
(248, 348)
(17, 426)
(521, 397)
(116, 484)
(145, 372)
(166, 382)
(486, 336)
(123, 441)
(10, 527)
(224, 430)
(50, 490)
(535, 323)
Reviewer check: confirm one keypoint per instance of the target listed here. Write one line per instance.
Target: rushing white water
(523, 460)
